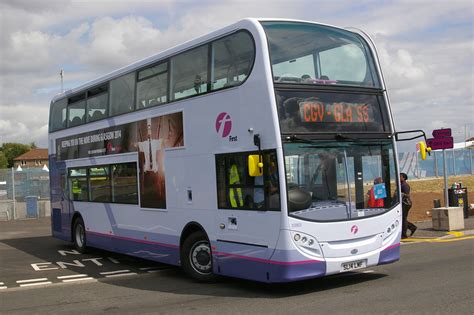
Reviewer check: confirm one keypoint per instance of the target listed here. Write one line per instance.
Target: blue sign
(380, 191)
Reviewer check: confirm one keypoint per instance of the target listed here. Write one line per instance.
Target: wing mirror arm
(255, 162)
(256, 141)
(421, 146)
(398, 133)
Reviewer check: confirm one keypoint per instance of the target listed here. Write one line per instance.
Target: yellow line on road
(436, 240)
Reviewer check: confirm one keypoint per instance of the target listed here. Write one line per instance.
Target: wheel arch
(189, 229)
(75, 216)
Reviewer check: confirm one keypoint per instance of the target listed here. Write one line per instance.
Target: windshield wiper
(294, 138)
(341, 137)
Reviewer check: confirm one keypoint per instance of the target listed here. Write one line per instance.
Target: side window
(99, 179)
(189, 73)
(124, 183)
(78, 184)
(58, 115)
(152, 86)
(122, 91)
(97, 103)
(76, 110)
(232, 59)
(236, 189)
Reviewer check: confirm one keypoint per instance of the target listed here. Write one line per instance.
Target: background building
(35, 158)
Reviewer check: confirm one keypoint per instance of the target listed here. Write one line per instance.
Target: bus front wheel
(79, 235)
(196, 257)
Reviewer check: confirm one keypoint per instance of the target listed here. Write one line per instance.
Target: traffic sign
(440, 143)
(441, 133)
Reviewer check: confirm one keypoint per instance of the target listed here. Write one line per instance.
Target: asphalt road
(39, 274)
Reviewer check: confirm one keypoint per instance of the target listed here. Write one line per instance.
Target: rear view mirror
(421, 146)
(405, 135)
(255, 165)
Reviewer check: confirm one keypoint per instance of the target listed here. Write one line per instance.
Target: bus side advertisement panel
(149, 138)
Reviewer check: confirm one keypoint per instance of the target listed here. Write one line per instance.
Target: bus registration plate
(353, 265)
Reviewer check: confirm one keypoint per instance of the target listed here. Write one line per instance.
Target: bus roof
(244, 23)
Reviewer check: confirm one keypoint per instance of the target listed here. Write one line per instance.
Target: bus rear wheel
(196, 257)
(79, 235)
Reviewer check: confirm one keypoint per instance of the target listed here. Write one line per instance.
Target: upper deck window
(152, 86)
(97, 103)
(189, 73)
(76, 110)
(57, 118)
(232, 60)
(122, 93)
(303, 53)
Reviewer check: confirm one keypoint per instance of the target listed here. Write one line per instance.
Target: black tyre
(196, 257)
(79, 235)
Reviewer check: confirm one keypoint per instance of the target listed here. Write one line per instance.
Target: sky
(426, 50)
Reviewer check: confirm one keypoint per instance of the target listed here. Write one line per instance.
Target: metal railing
(17, 186)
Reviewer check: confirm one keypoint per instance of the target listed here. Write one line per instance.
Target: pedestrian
(406, 206)
(375, 200)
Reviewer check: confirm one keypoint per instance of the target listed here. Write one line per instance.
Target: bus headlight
(307, 243)
(391, 228)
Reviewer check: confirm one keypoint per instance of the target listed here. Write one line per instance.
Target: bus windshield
(335, 181)
(304, 53)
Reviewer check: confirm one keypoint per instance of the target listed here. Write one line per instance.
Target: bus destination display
(319, 112)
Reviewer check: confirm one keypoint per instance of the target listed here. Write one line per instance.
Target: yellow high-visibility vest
(235, 194)
(76, 188)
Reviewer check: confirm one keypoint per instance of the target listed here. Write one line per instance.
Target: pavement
(425, 231)
(42, 227)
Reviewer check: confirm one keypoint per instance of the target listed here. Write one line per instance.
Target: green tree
(33, 145)
(13, 150)
(3, 160)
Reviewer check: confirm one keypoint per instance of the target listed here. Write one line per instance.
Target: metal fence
(24, 193)
(458, 162)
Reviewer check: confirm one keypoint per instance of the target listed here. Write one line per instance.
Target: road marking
(148, 268)
(71, 276)
(3, 287)
(36, 283)
(153, 269)
(79, 279)
(114, 272)
(121, 274)
(115, 261)
(456, 233)
(435, 240)
(31, 280)
(368, 271)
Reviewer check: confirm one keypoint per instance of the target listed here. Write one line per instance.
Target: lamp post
(61, 74)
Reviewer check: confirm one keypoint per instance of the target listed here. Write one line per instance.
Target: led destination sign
(336, 111)
(316, 112)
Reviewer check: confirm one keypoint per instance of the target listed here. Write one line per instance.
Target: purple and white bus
(264, 150)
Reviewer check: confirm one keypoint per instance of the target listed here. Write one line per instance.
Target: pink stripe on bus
(133, 239)
(268, 261)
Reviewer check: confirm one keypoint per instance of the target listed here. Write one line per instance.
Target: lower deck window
(124, 183)
(99, 179)
(115, 183)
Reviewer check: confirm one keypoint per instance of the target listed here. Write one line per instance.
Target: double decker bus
(264, 150)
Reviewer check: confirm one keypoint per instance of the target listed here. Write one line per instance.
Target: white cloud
(24, 124)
